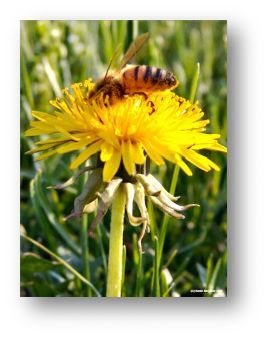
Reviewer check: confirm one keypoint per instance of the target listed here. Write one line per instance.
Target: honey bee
(132, 79)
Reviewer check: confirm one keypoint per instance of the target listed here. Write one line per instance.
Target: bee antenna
(115, 54)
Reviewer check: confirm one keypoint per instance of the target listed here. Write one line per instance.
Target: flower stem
(114, 279)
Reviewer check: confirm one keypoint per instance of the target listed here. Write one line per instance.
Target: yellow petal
(127, 158)
(45, 155)
(73, 146)
(199, 160)
(66, 133)
(137, 153)
(213, 165)
(41, 116)
(183, 166)
(35, 132)
(172, 130)
(41, 148)
(191, 157)
(54, 140)
(111, 166)
(152, 153)
(106, 152)
(82, 157)
(217, 147)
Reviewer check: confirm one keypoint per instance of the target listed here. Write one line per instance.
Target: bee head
(100, 84)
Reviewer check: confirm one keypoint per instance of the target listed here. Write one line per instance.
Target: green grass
(179, 255)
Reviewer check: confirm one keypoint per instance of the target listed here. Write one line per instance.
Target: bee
(132, 79)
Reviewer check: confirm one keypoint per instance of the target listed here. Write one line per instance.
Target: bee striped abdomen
(148, 73)
(136, 72)
(147, 79)
(157, 75)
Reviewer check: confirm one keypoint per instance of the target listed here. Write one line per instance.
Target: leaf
(212, 282)
(51, 215)
(202, 274)
(62, 262)
(209, 270)
(166, 282)
(221, 278)
(31, 263)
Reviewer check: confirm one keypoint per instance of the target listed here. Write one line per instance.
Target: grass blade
(41, 218)
(63, 262)
(163, 231)
(214, 276)
(194, 83)
(51, 216)
(103, 255)
(156, 269)
(85, 252)
(84, 244)
(138, 291)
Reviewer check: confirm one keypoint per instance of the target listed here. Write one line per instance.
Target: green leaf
(41, 217)
(212, 282)
(51, 216)
(32, 263)
(63, 262)
(202, 274)
(222, 274)
(209, 270)
(194, 83)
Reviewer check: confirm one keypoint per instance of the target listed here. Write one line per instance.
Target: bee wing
(114, 56)
(134, 48)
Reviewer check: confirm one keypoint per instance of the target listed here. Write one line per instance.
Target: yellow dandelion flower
(162, 126)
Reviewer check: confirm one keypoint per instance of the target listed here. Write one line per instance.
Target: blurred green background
(55, 54)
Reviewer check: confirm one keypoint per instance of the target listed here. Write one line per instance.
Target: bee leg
(140, 93)
(113, 92)
(151, 104)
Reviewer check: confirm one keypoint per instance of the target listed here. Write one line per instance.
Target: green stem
(114, 278)
(138, 291)
(194, 83)
(123, 270)
(156, 268)
(85, 248)
(163, 231)
(85, 253)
